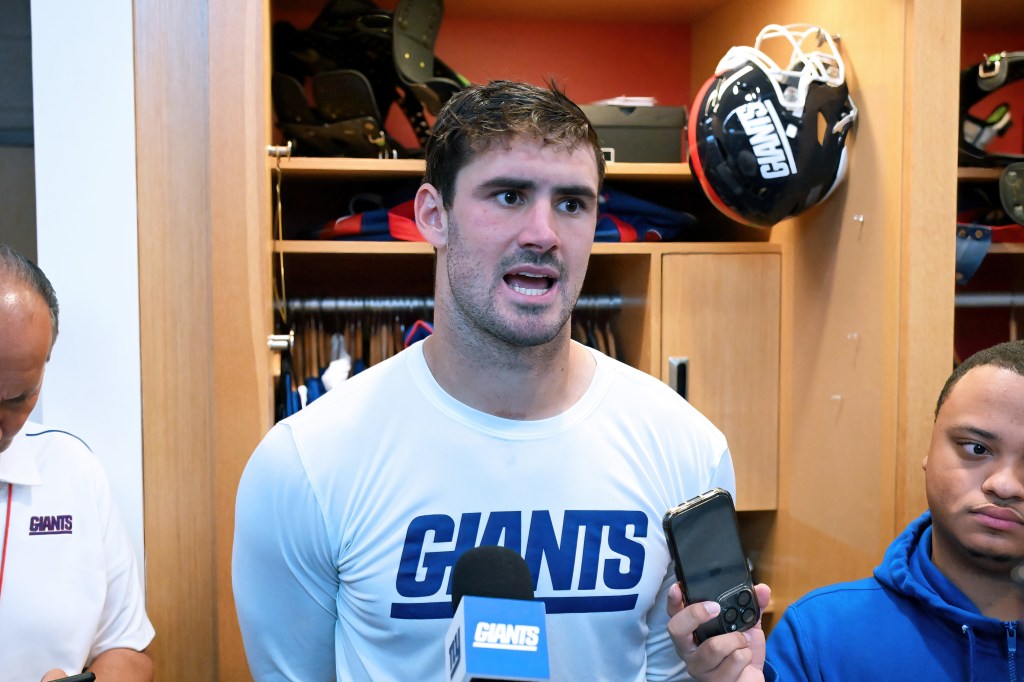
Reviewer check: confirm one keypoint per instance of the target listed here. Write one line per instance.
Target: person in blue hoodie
(947, 601)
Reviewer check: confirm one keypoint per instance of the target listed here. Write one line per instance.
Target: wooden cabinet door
(721, 312)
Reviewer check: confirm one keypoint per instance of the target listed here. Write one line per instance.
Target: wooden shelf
(991, 14)
(1003, 248)
(977, 173)
(411, 168)
(346, 167)
(648, 171)
(351, 247)
(600, 248)
(649, 11)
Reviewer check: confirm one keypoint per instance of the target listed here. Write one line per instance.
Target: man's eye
(572, 206)
(976, 449)
(508, 198)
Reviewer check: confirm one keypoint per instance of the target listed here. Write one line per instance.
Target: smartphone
(81, 677)
(710, 562)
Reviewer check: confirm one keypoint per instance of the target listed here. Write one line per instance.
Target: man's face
(520, 231)
(974, 473)
(25, 338)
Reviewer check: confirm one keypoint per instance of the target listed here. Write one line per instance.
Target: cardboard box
(639, 134)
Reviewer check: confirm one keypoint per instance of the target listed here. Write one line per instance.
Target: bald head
(18, 272)
(26, 337)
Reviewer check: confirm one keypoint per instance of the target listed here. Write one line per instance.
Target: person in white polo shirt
(70, 594)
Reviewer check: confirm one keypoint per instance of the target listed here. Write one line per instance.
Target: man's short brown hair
(482, 115)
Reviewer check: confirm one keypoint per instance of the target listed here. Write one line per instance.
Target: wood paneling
(856, 303)
(927, 256)
(721, 312)
(242, 290)
(175, 280)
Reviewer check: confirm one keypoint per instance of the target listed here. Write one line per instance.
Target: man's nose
(1006, 481)
(539, 229)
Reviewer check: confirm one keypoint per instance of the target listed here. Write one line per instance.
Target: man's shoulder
(642, 395)
(56, 443)
(638, 387)
(861, 588)
(59, 456)
(370, 391)
(841, 601)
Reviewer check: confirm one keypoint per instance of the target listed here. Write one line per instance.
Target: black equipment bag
(357, 60)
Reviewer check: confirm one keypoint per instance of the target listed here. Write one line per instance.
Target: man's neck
(519, 383)
(995, 597)
(989, 588)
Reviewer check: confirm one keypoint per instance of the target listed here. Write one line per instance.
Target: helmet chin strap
(845, 121)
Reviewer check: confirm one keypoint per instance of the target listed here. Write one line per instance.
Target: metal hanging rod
(597, 303)
(412, 303)
(359, 304)
(993, 300)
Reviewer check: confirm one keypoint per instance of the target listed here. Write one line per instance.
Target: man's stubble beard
(477, 308)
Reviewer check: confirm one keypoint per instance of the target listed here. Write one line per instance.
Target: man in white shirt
(70, 594)
(497, 429)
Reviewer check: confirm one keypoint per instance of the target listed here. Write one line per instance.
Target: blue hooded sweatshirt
(908, 622)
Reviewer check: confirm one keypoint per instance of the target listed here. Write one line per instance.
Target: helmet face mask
(766, 143)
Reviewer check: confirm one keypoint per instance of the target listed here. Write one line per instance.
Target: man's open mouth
(529, 284)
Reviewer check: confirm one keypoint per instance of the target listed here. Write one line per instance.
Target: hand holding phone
(710, 563)
(81, 677)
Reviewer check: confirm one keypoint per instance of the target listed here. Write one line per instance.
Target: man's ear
(431, 218)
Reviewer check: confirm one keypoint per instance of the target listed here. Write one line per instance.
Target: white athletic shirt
(71, 587)
(351, 513)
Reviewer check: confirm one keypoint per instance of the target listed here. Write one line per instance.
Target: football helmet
(766, 143)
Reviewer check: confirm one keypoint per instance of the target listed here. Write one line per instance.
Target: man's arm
(114, 665)
(123, 665)
(283, 572)
(725, 658)
(662, 662)
(124, 632)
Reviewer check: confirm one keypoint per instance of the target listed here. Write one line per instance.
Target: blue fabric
(314, 388)
(419, 330)
(907, 622)
(621, 218)
(972, 244)
(626, 218)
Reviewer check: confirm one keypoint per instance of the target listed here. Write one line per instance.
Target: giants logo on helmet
(767, 139)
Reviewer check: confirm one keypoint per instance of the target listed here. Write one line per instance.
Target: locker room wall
(84, 120)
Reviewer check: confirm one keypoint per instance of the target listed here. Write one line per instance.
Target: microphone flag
(497, 639)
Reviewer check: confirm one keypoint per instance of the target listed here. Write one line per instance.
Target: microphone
(499, 630)
(1016, 575)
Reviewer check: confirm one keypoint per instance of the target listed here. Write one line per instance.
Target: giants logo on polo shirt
(50, 525)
